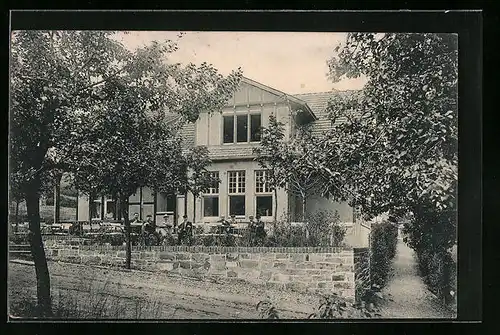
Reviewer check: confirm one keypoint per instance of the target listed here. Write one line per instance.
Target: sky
(292, 62)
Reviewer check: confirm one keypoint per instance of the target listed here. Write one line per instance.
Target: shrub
(335, 307)
(438, 271)
(324, 229)
(384, 238)
(267, 310)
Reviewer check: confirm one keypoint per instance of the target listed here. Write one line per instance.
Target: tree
(400, 138)
(52, 74)
(270, 156)
(136, 146)
(199, 179)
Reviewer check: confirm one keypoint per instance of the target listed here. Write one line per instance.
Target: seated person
(260, 227)
(149, 226)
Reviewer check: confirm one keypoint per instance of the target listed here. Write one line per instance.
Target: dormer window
(242, 127)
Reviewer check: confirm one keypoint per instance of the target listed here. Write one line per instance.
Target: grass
(91, 299)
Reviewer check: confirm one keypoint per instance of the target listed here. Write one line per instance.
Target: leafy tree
(60, 82)
(270, 156)
(400, 138)
(52, 74)
(136, 144)
(199, 179)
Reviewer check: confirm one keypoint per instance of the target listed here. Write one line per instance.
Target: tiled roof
(239, 151)
(318, 102)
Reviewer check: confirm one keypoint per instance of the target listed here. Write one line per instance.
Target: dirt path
(167, 297)
(409, 296)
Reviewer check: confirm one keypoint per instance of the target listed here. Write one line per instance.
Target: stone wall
(323, 270)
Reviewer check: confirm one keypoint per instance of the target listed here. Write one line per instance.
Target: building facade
(230, 137)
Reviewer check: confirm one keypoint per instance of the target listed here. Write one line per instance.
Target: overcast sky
(293, 62)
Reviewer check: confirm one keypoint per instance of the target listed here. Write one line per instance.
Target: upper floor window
(242, 128)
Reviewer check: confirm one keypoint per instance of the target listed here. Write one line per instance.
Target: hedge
(384, 239)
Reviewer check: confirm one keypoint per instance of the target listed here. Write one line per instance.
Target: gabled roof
(291, 98)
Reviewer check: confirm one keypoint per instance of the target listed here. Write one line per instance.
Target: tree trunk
(17, 215)
(275, 216)
(38, 252)
(57, 198)
(186, 203)
(194, 208)
(303, 208)
(128, 254)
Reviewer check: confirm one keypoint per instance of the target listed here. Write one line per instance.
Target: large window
(165, 202)
(110, 209)
(236, 191)
(211, 198)
(242, 128)
(264, 197)
(95, 209)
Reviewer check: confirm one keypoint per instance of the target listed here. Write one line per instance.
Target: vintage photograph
(171, 175)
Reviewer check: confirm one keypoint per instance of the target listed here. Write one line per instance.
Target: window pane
(95, 210)
(265, 205)
(211, 206)
(147, 194)
(110, 209)
(228, 129)
(255, 127)
(242, 128)
(237, 205)
(165, 202)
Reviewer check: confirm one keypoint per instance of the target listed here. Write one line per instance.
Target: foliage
(397, 151)
(335, 307)
(324, 229)
(267, 310)
(384, 238)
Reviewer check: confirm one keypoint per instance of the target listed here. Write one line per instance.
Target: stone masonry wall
(323, 270)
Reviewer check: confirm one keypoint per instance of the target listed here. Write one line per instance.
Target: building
(230, 137)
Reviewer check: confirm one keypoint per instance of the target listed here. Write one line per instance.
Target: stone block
(246, 263)
(265, 275)
(94, 260)
(349, 276)
(279, 265)
(325, 265)
(275, 285)
(218, 258)
(73, 259)
(345, 268)
(219, 266)
(185, 264)
(348, 260)
(280, 277)
(295, 257)
(249, 275)
(232, 274)
(231, 264)
(296, 286)
(255, 256)
(183, 256)
(196, 265)
(338, 277)
(233, 257)
(206, 265)
(334, 258)
(282, 256)
(200, 257)
(325, 284)
(343, 285)
(121, 254)
(244, 256)
(316, 257)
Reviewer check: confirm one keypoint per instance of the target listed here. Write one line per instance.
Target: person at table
(135, 219)
(149, 227)
(260, 231)
(166, 225)
(251, 228)
(180, 229)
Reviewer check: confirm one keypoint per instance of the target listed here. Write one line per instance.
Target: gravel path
(408, 295)
(162, 296)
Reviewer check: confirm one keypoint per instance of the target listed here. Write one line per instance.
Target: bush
(438, 271)
(321, 230)
(384, 239)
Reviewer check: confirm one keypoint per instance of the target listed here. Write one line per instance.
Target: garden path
(407, 293)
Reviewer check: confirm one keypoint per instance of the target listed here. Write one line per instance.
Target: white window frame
(265, 190)
(239, 191)
(235, 115)
(213, 192)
